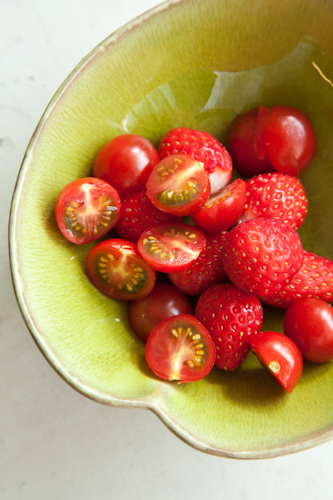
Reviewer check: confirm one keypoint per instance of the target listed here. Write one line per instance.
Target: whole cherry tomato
(309, 323)
(278, 138)
(164, 301)
(290, 140)
(281, 356)
(223, 210)
(125, 162)
(241, 146)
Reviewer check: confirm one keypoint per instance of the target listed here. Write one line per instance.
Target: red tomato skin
(161, 345)
(125, 162)
(309, 323)
(290, 140)
(72, 192)
(281, 356)
(116, 247)
(262, 122)
(241, 146)
(222, 211)
(183, 260)
(164, 301)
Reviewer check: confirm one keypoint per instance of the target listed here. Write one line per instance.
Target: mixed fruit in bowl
(200, 245)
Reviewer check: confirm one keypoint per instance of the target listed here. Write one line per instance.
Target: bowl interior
(195, 64)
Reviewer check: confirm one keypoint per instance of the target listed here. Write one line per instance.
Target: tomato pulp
(117, 270)
(86, 209)
(179, 185)
(171, 247)
(180, 348)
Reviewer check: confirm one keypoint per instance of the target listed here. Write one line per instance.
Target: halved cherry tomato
(222, 211)
(290, 140)
(117, 270)
(241, 146)
(203, 147)
(171, 247)
(86, 209)
(309, 323)
(164, 301)
(281, 356)
(179, 185)
(125, 162)
(180, 348)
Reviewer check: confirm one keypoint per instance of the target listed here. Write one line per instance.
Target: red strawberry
(314, 279)
(203, 147)
(137, 214)
(275, 195)
(206, 270)
(231, 317)
(261, 255)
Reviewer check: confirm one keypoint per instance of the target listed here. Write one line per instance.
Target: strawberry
(275, 195)
(206, 270)
(137, 214)
(261, 255)
(231, 317)
(204, 148)
(314, 279)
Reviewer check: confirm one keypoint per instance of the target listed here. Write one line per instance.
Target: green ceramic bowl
(187, 63)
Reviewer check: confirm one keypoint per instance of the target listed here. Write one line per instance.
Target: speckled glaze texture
(194, 64)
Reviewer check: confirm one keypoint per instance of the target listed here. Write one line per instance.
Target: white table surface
(55, 443)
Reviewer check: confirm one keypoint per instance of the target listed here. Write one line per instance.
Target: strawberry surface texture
(206, 270)
(314, 279)
(231, 316)
(261, 255)
(137, 214)
(275, 195)
(204, 148)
